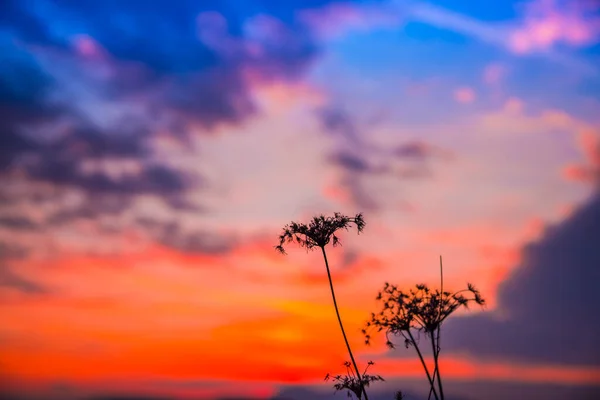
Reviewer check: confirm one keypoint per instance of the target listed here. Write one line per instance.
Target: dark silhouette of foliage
(408, 314)
(353, 383)
(319, 232)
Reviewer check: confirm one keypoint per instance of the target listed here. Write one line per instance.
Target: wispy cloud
(536, 34)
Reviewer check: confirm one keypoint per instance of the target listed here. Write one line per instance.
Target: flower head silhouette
(319, 232)
(407, 314)
(350, 382)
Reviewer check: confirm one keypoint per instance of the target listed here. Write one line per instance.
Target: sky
(151, 152)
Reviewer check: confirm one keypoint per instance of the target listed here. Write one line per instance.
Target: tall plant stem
(337, 312)
(431, 382)
(437, 347)
(437, 367)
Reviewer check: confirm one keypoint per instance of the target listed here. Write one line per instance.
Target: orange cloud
(280, 97)
(589, 171)
(514, 118)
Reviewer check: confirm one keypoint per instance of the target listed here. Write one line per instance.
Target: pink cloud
(213, 31)
(279, 97)
(589, 143)
(338, 18)
(464, 95)
(493, 74)
(513, 106)
(548, 22)
(87, 47)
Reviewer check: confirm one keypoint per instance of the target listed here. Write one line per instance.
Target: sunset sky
(151, 152)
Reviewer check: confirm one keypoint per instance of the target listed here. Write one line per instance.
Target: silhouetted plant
(319, 233)
(420, 310)
(353, 383)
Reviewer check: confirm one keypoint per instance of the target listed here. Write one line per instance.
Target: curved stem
(431, 382)
(337, 312)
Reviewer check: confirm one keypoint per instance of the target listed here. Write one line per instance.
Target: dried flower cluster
(420, 310)
(319, 232)
(404, 314)
(353, 383)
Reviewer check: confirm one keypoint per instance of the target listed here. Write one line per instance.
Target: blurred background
(151, 152)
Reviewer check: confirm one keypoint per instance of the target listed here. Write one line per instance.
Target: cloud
(464, 95)
(520, 37)
(336, 121)
(589, 172)
(172, 235)
(85, 104)
(340, 18)
(12, 251)
(453, 390)
(550, 22)
(493, 74)
(195, 68)
(362, 162)
(17, 223)
(444, 18)
(547, 306)
(11, 280)
(128, 398)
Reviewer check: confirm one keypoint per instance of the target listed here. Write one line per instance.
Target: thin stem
(431, 382)
(435, 371)
(337, 312)
(437, 367)
(439, 327)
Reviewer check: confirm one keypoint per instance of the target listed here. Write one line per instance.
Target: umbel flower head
(319, 232)
(351, 382)
(421, 308)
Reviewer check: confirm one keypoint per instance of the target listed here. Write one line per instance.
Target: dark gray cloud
(91, 208)
(152, 179)
(454, 390)
(129, 398)
(548, 307)
(164, 66)
(12, 280)
(10, 251)
(338, 122)
(357, 163)
(383, 391)
(361, 161)
(419, 151)
(413, 390)
(499, 390)
(17, 223)
(172, 235)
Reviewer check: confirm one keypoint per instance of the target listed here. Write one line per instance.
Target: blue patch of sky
(375, 69)
(484, 10)
(545, 84)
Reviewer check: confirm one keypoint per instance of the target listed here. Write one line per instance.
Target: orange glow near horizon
(193, 330)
